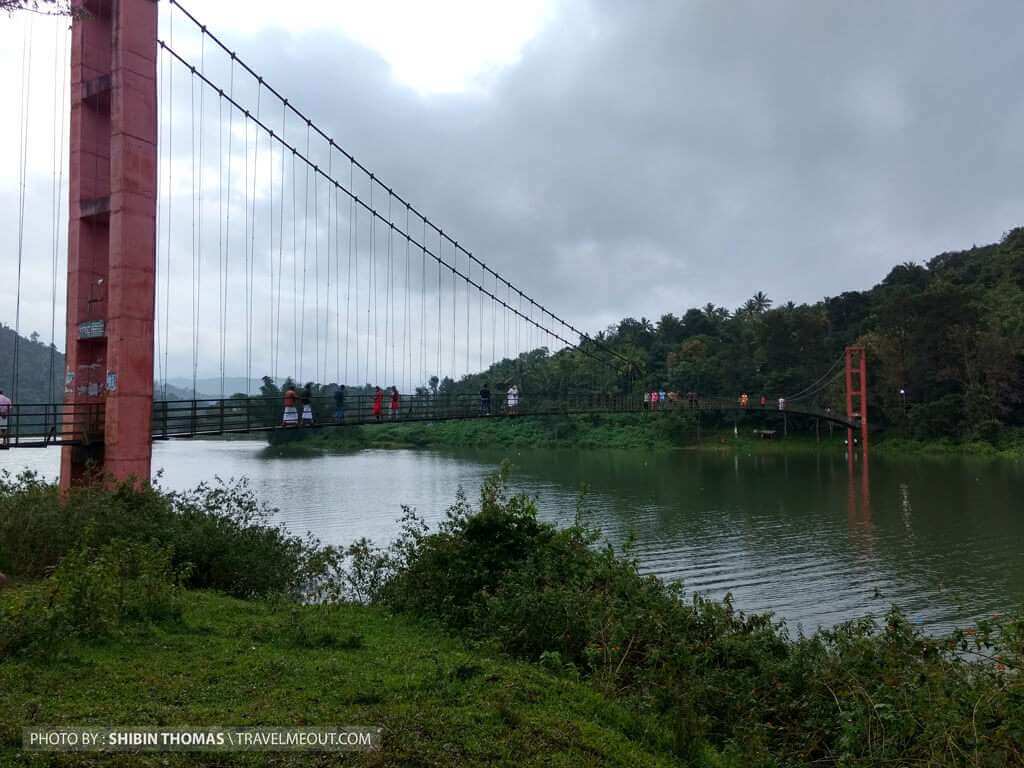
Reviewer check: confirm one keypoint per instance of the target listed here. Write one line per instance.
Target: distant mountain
(36, 361)
(210, 387)
(36, 386)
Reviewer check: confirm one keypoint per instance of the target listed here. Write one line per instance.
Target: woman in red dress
(378, 403)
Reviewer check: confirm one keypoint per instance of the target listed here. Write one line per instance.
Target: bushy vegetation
(862, 694)
(668, 430)
(93, 594)
(698, 678)
(219, 532)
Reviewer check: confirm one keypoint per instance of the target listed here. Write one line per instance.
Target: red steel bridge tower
(112, 237)
(857, 396)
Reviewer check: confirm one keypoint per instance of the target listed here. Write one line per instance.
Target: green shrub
(219, 531)
(860, 694)
(94, 593)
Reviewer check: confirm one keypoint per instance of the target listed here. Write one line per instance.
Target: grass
(244, 663)
(604, 665)
(615, 431)
(899, 446)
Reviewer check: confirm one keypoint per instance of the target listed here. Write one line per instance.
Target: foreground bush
(858, 695)
(861, 694)
(93, 594)
(219, 532)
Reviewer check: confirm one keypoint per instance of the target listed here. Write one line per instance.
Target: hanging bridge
(215, 232)
(58, 424)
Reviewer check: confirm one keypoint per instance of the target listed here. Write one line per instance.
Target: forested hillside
(949, 333)
(40, 369)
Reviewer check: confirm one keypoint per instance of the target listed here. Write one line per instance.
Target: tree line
(945, 346)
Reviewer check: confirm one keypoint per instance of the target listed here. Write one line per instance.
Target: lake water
(801, 536)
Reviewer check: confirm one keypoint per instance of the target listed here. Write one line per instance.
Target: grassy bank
(590, 431)
(233, 662)
(658, 432)
(495, 639)
(671, 431)
(1011, 447)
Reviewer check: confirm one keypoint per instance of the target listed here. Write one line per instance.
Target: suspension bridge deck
(40, 426)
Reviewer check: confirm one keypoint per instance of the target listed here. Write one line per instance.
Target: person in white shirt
(512, 399)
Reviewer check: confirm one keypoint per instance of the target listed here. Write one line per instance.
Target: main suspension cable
(375, 216)
(324, 136)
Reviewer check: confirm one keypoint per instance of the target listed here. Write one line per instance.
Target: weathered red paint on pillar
(112, 236)
(857, 395)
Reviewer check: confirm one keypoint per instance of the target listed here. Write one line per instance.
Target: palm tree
(760, 302)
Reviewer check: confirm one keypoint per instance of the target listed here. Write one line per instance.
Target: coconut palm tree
(760, 302)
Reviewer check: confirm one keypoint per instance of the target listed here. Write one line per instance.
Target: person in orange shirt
(291, 416)
(394, 402)
(378, 403)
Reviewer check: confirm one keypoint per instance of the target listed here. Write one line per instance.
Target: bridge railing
(216, 416)
(38, 425)
(186, 418)
(31, 425)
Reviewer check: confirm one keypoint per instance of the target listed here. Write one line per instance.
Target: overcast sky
(619, 158)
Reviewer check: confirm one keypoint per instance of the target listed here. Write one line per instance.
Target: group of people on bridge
(385, 404)
(745, 401)
(661, 398)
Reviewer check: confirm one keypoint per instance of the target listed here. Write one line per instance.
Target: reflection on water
(808, 537)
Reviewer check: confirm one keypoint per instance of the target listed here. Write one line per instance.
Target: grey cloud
(642, 158)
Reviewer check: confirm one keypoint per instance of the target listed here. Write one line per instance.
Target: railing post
(195, 404)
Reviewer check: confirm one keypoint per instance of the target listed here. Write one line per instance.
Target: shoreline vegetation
(673, 431)
(494, 639)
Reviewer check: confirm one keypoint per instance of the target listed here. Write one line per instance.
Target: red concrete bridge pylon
(112, 237)
(857, 396)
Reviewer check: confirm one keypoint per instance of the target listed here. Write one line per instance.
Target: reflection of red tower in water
(859, 498)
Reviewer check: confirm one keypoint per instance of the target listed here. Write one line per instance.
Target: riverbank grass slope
(246, 663)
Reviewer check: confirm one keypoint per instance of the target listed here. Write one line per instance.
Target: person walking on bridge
(378, 404)
(5, 415)
(395, 403)
(307, 405)
(485, 400)
(291, 416)
(764, 401)
(339, 404)
(513, 400)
